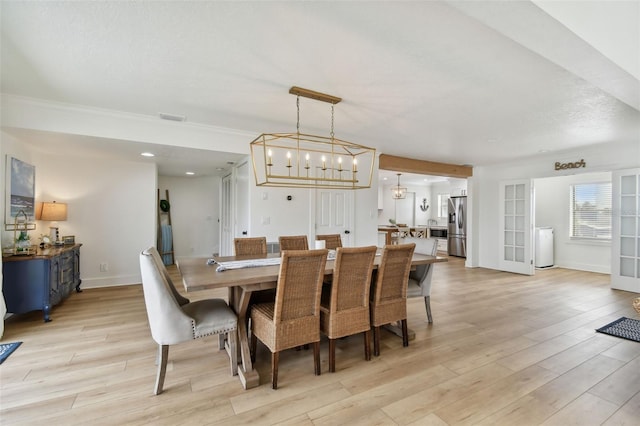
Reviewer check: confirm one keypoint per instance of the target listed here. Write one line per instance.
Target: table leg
(248, 376)
(397, 330)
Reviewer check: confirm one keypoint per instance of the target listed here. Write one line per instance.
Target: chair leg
(376, 341)
(427, 304)
(274, 369)
(332, 355)
(367, 345)
(232, 342)
(221, 339)
(316, 357)
(405, 333)
(163, 354)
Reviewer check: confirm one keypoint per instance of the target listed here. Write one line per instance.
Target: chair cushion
(414, 289)
(211, 316)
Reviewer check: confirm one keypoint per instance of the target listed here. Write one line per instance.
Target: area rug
(7, 349)
(626, 328)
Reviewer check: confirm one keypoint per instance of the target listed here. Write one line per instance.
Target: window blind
(591, 210)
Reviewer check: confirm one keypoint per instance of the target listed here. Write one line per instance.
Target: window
(443, 205)
(591, 210)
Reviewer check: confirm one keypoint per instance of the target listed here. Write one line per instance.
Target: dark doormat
(7, 349)
(626, 328)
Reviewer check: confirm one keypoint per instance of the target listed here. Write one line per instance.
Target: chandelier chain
(332, 105)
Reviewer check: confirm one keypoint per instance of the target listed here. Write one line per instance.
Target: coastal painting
(20, 189)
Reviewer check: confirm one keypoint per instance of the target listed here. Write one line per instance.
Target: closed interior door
(334, 214)
(226, 217)
(242, 201)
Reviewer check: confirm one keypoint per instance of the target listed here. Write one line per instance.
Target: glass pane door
(515, 227)
(625, 243)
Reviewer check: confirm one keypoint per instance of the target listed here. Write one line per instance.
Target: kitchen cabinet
(41, 281)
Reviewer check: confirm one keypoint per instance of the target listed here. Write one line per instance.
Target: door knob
(347, 231)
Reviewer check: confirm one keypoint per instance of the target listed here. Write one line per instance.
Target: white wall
(552, 201)
(294, 217)
(484, 186)
(195, 213)
(111, 209)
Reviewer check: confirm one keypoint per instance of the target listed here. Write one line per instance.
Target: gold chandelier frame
(301, 160)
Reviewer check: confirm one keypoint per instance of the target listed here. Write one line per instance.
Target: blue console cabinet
(41, 281)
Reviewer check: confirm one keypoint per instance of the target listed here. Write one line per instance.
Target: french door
(625, 230)
(516, 230)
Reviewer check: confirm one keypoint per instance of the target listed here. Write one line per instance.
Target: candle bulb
(339, 164)
(324, 164)
(355, 165)
(269, 158)
(288, 159)
(306, 157)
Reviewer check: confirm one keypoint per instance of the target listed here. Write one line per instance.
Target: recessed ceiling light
(148, 154)
(384, 178)
(219, 169)
(189, 173)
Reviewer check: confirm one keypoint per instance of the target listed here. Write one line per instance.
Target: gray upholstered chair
(420, 278)
(173, 322)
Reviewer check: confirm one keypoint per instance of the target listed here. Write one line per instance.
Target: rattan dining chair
(172, 323)
(389, 293)
(344, 308)
(332, 241)
(294, 318)
(420, 278)
(250, 246)
(293, 242)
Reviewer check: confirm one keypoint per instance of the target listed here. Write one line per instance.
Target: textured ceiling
(458, 82)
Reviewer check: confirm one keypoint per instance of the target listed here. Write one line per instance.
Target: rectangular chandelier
(310, 161)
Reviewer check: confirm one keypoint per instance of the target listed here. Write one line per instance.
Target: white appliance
(544, 247)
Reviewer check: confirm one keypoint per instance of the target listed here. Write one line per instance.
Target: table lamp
(53, 212)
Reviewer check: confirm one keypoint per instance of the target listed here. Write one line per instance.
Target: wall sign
(576, 165)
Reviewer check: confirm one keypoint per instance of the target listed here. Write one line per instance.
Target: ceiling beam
(410, 165)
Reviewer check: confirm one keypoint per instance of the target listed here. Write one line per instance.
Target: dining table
(243, 275)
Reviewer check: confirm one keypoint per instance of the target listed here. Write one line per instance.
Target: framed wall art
(19, 191)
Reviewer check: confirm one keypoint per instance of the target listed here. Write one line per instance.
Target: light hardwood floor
(504, 349)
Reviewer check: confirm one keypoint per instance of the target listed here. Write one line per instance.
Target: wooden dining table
(198, 274)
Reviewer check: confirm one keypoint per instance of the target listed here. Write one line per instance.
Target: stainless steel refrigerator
(457, 229)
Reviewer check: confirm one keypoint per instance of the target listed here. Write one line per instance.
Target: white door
(226, 217)
(516, 230)
(334, 214)
(242, 200)
(625, 231)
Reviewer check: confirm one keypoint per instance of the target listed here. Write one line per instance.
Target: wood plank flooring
(504, 349)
